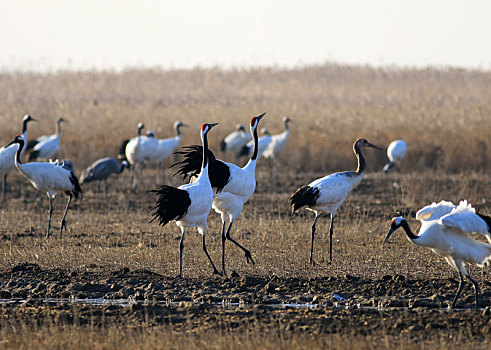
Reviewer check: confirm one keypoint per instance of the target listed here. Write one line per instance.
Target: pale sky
(115, 34)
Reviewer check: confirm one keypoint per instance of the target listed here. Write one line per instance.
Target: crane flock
(445, 228)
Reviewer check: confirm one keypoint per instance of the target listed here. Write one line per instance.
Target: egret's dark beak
(392, 229)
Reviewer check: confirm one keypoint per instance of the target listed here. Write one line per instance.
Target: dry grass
(444, 115)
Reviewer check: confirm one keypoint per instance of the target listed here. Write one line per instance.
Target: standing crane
(166, 147)
(45, 147)
(232, 185)
(449, 236)
(278, 142)
(101, 170)
(7, 156)
(328, 193)
(234, 141)
(189, 204)
(50, 178)
(139, 150)
(395, 152)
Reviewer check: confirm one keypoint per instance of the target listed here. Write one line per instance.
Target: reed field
(369, 297)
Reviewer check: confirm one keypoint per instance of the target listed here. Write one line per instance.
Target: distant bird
(263, 143)
(449, 236)
(45, 147)
(234, 141)
(395, 152)
(64, 163)
(7, 156)
(49, 178)
(139, 150)
(166, 147)
(101, 170)
(232, 185)
(189, 204)
(277, 144)
(328, 193)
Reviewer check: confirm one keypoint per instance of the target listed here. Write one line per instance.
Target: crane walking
(101, 170)
(232, 185)
(448, 235)
(189, 204)
(50, 178)
(328, 193)
(277, 144)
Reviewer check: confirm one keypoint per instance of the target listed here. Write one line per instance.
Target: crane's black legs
(50, 214)
(330, 237)
(215, 271)
(476, 289)
(181, 248)
(4, 189)
(247, 252)
(224, 238)
(63, 221)
(461, 284)
(312, 240)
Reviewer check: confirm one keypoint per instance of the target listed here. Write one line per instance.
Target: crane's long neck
(24, 128)
(361, 160)
(178, 131)
(256, 143)
(204, 165)
(408, 231)
(58, 128)
(18, 162)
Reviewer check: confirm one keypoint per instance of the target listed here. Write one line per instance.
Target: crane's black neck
(178, 130)
(19, 150)
(254, 151)
(24, 125)
(140, 131)
(286, 125)
(205, 150)
(361, 160)
(408, 231)
(58, 127)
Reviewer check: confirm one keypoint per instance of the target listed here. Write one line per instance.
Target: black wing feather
(172, 204)
(304, 196)
(487, 219)
(33, 155)
(31, 144)
(77, 190)
(218, 171)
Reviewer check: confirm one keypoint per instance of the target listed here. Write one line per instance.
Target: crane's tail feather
(76, 185)
(223, 145)
(244, 151)
(304, 196)
(172, 204)
(33, 155)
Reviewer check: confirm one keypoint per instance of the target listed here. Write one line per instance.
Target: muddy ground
(366, 291)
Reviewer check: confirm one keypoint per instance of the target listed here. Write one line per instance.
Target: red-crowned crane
(45, 147)
(50, 178)
(232, 185)
(449, 236)
(277, 144)
(189, 204)
(234, 141)
(139, 150)
(101, 170)
(328, 193)
(395, 152)
(7, 156)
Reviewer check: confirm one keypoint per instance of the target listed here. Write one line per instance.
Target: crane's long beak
(388, 235)
(260, 116)
(212, 125)
(33, 120)
(373, 146)
(185, 125)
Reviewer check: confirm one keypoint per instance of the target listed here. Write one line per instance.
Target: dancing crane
(449, 236)
(50, 178)
(189, 204)
(395, 152)
(101, 170)
(278, 142)
(7, 156)
(232, 185)
(45, 147)
(234, 141)
(328, 193)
